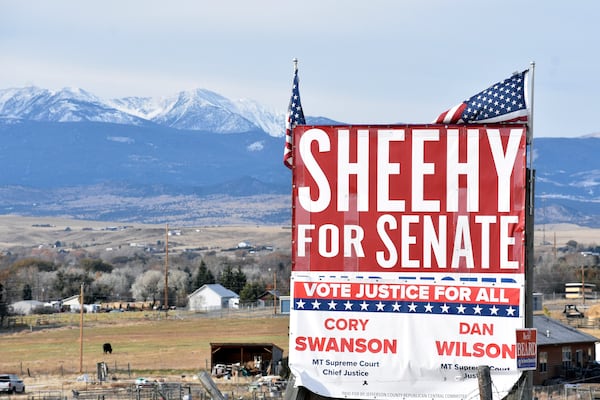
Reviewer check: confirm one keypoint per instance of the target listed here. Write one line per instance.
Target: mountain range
(199, 158)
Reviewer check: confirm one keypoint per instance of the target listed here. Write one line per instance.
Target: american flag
(295, 116)
(502, 102)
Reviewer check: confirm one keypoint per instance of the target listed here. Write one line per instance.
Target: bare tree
(113, 286)
(148, 286)
(179, 282)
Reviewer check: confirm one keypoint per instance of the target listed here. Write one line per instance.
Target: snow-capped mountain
(148, 159)
(198, 109)
(66, 105)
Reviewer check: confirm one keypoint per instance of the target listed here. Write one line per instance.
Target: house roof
(244, 344)
(71, 299)
(269, 293)
(551, 331)
(216, 288)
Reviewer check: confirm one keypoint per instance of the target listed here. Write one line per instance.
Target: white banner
(392, 337)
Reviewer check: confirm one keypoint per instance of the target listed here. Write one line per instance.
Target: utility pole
(583, 285)
(274, 291)
(166, 305)
(81, 330)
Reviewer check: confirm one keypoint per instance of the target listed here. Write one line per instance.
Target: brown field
(94, 235)
(560, 234)
(101, 236)
(173, 348)
(47, 354)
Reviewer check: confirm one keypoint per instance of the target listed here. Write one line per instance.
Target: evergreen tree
(68, 283)
(239, 279)
(3, 308)
(251, 291)
(27, 292)
(226, 277)
(203, 276)
(233, 280)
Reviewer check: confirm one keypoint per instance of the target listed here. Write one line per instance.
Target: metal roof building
(564, 352)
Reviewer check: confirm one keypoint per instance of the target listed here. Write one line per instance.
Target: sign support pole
(529, 229)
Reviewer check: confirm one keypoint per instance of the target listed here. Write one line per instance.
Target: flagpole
(529, 229)
(294, 117)
(530, 94)
(530, 134)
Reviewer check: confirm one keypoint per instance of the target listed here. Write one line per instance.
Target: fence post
(485, 382)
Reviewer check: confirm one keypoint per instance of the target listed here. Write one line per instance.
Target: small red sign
(527, 349)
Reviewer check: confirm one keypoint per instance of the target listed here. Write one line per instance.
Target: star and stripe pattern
(503, 102)
(294, 117)
(406, 307)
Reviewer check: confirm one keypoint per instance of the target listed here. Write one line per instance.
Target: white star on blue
(403, 307)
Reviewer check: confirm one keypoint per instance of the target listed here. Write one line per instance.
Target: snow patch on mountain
(142, 107)
(269, 121)
(121, 139)
(66, 105)
(203, 110)
(256, 146)
(198, 109)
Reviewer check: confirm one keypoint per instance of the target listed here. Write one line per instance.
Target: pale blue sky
(374, 62)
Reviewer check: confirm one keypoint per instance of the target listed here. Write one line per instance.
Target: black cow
(107, 348)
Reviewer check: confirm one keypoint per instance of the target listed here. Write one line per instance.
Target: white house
(72, 303)
(212, 297)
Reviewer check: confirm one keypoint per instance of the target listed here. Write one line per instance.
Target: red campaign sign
(407, 292)
(527, 349)
(409, 199)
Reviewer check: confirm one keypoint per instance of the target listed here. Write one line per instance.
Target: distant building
(284, 304)
(563, 351)
(269, 295)
(212, 297)
(576, 290)
(72, 303)
(25, 307)
(260, 358)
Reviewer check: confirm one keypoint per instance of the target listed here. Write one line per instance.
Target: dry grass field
(100, 236)
(94, 235)
(148, 344)
(560, 234)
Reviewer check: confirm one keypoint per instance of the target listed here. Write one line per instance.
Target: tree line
(48, 276)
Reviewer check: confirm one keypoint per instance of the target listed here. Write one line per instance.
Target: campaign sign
(408, 259)
(527, 349)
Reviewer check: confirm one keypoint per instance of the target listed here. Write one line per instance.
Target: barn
(563, 351)
(72, 303)
(263, 358)
(211, 297)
